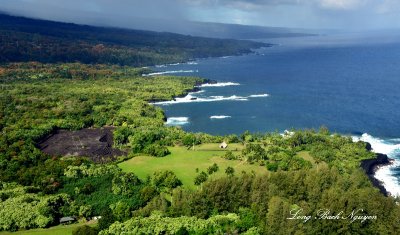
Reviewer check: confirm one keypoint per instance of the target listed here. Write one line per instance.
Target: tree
(121, 210)
(123, 183)
(147, 193)
(85, 230)
(212, 169)
(166, 179)
(107, 218)
(156, 150)
(200, 178)
(247, 137)
(247, 219)
(190, 140)
(23, 210)
(278, 210)
(229, 155)
(87, 189)
(254, 152)
(229, 171)
(157, 224)
(272, 166)
(85, 211)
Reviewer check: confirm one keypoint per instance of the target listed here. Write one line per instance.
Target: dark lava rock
(368, 146)
(95, 143)
(370, 166)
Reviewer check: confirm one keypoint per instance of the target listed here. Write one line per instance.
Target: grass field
(306, 156)
(56, 230)
(184, 162)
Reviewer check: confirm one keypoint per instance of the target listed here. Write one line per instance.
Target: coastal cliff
(371, 165)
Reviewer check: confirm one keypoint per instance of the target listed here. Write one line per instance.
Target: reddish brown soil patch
(95, 143)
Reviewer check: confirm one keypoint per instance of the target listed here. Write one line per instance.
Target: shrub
(85, 230)
(156, 150)
(165, 179)
(200, 178)
(229, 155)
(212, 169)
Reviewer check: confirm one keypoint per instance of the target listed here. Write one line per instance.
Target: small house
(223, 145)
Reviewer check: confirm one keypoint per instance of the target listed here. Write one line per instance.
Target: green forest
(23, 39)
(304, 171)
(74, 78)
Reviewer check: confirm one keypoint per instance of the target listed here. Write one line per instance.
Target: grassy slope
(184, 162)
(56, 230)
(306, 156)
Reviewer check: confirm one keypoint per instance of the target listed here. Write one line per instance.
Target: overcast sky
(338, 14)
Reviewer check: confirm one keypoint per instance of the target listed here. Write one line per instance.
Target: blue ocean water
(350, 87)
(349, 83)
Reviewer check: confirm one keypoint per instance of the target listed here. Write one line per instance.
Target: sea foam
(177, 121)
(260, 95)
(170, 72)
(219, 117)
(388, 147)
(220, 84)
(191, 98)
(385, 174)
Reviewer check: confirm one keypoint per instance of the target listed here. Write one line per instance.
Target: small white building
(223, 145)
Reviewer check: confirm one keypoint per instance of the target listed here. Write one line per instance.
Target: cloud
(139, 8)
(389, 7)
(342, 4)
(323, 4)
(283, 13)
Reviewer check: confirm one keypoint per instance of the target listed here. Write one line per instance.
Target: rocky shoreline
(370, 166)
(196, 88)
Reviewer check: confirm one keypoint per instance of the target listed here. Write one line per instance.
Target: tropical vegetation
(166, 181)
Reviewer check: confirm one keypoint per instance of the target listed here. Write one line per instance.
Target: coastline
(195, 88)
(371, 166)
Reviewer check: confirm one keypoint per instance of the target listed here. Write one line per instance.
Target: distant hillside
(213, 30)
(237, 31)
(25, 39)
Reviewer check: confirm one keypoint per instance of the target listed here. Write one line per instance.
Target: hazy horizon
(350, 15)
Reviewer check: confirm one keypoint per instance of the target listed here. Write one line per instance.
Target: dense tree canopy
(23, 39)
(308, 170)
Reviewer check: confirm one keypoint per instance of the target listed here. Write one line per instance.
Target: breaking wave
(219, 117)
(386, 174)
(389, 147)
(260, 95)
(175, 64)
(220, 84)
(170, 72)
(177, 121)
(190, 98)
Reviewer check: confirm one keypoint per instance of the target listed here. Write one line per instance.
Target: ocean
(348, 82)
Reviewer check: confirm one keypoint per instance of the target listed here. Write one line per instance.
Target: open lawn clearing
(183, 162)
